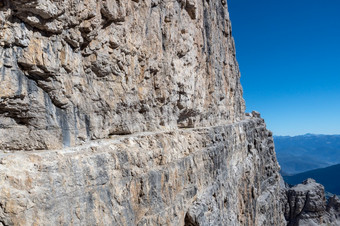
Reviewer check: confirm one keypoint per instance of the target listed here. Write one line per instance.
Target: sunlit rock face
(73, 71)
(223, 175)
(128, 113)
(305, 204)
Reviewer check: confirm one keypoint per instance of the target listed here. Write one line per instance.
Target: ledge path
(205, 176)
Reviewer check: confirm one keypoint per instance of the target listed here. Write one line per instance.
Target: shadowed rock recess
(128, 113)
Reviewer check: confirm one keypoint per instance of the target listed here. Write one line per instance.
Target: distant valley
(310, 156)
(329, 177)
(306, 152)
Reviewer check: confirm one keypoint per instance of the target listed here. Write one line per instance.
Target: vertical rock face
(128, 113)
(73, 71)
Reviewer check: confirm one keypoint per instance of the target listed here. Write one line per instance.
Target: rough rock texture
(128, 113)
(78, 70)
(223, 175)
(305, 204)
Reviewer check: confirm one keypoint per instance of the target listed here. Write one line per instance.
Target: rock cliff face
(74, 71)
(223, 175)
(128, 113)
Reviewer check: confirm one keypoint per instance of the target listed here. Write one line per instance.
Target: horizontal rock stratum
(128, 113)
(223, 175)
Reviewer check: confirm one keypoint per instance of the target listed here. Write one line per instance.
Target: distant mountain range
(329, 177)
(306, 152)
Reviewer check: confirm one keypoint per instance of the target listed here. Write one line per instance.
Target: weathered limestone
(73, 71)
(223, 175)
(305, 204)
(128, 113)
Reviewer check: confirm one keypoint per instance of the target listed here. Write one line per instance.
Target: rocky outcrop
(128, 113)
(305, 204)
(333, 209)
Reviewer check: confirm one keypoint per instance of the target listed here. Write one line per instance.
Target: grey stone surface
(223, 175)
(129, 113)
(73, 71)
(305, 204)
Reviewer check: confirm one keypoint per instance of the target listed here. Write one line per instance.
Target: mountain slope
(328, 177)
(307, 152)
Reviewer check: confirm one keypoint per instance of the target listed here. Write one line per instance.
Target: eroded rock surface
(223, 175)
(305, 204)
(73, 71)
(128, 113)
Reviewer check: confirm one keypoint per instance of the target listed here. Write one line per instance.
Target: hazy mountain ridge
(328, 177)
(297, 154)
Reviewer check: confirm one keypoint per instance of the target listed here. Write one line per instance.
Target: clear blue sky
(289, 57)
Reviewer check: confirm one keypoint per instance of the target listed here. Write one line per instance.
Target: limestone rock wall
(223, 175)
(73, 71)
(128, 113)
